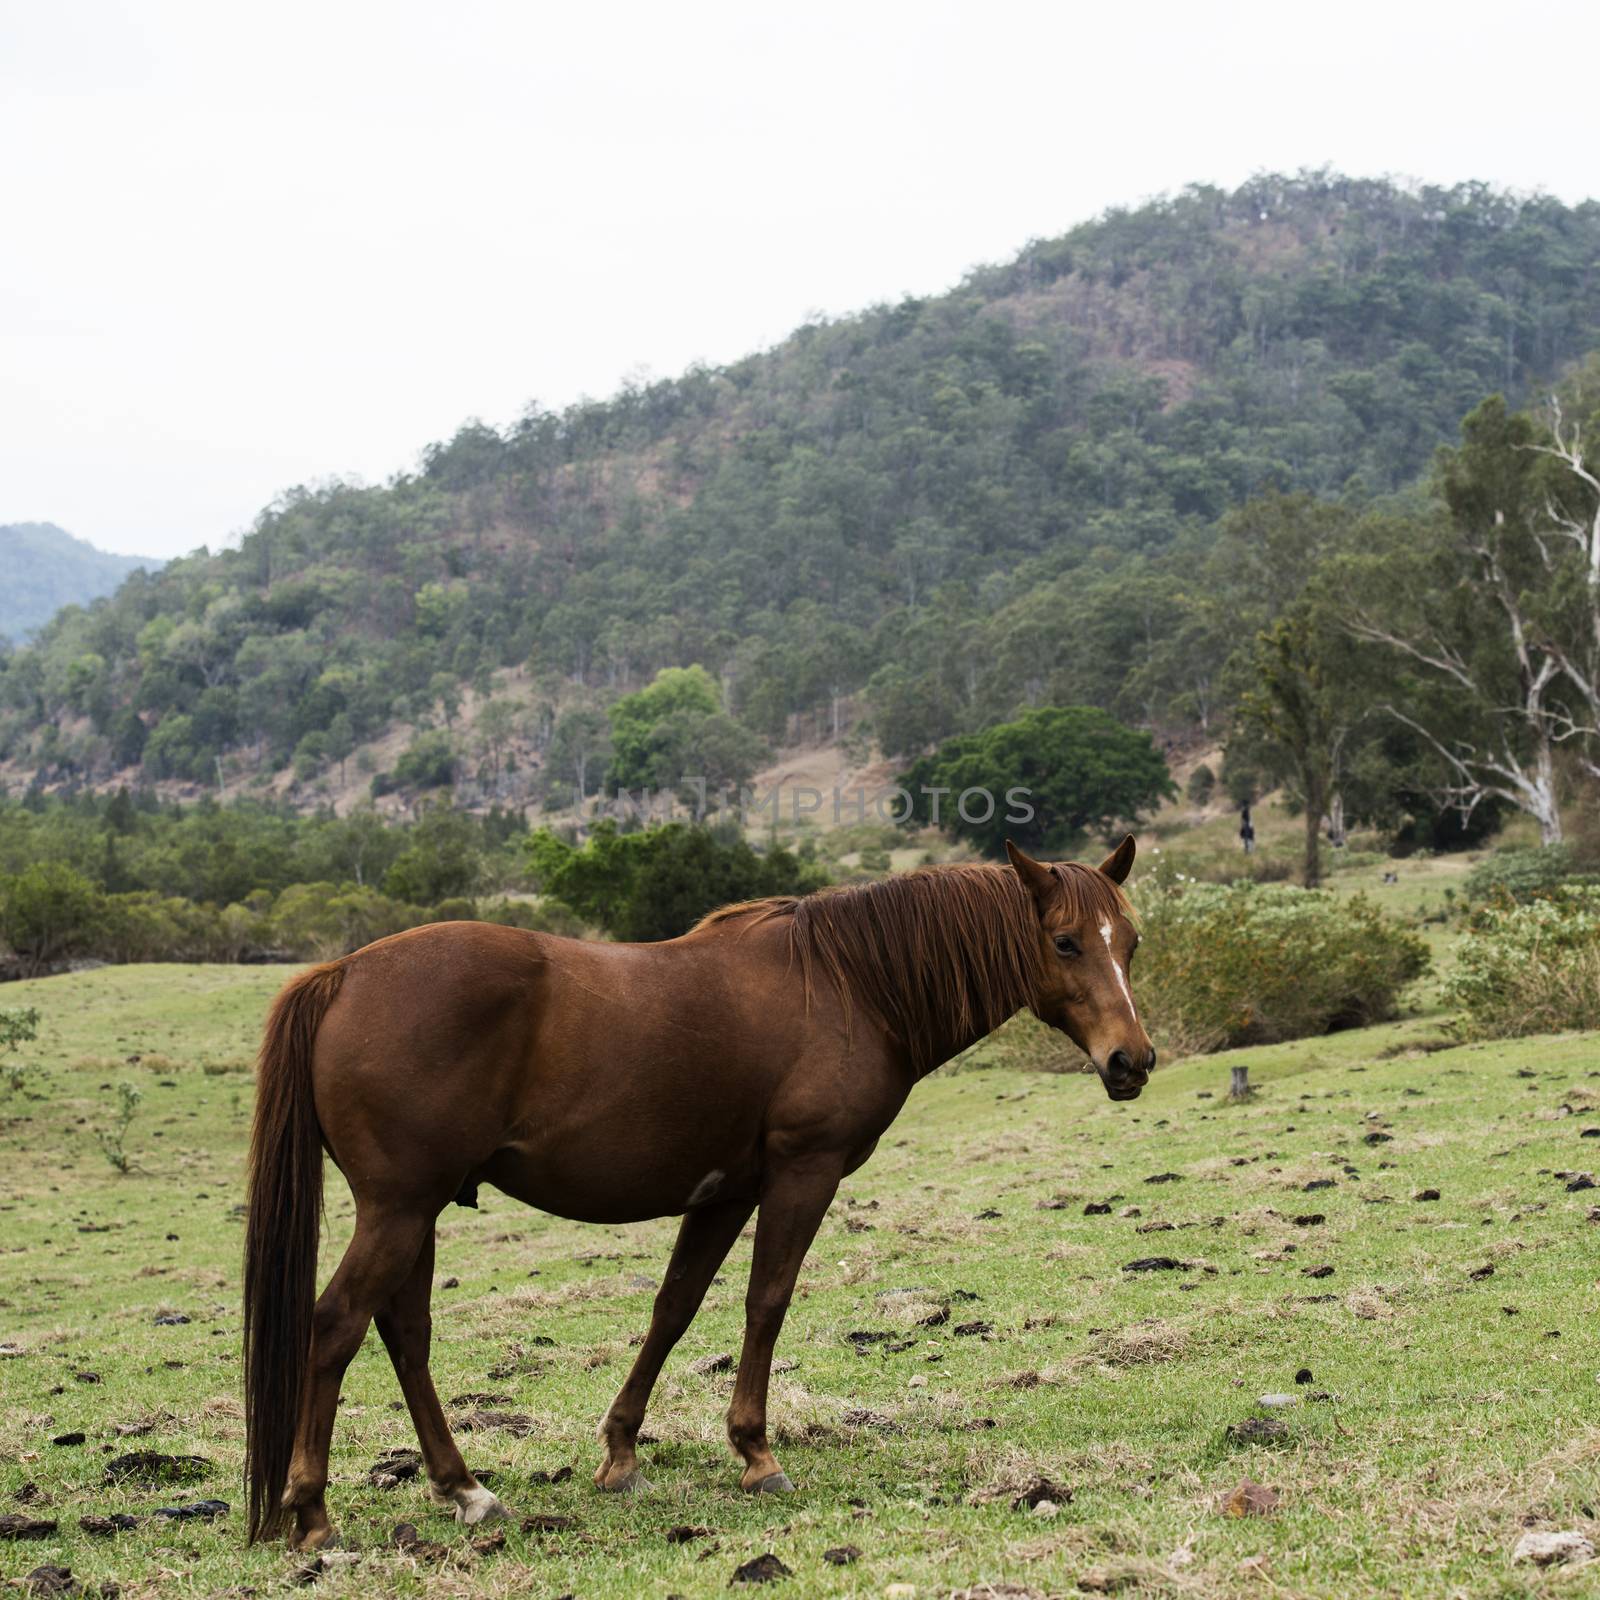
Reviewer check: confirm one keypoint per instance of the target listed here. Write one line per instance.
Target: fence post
(1240, 1087)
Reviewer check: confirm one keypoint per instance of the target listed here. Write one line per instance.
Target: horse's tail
(281, 1228)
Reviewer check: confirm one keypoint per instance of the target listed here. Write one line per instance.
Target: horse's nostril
(1150, 1060)
(1121, 1063)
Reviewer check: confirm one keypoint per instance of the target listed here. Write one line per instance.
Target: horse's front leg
(793, 1204)
(704, 1239)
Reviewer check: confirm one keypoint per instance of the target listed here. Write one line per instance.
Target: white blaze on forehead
(1117, 967)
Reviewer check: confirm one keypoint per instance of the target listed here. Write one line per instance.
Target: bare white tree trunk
(1574, 524)
(1526, 781)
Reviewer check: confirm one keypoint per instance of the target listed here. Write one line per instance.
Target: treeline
(52, 915)
(943, 511)
(128, 878)
(133, 842)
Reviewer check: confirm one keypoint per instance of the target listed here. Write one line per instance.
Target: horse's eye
(1066, 946)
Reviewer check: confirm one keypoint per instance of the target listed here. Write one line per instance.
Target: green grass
(1452, 1409)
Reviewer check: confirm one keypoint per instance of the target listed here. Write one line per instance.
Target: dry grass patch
(1372, 1303)
(1142, 1344)
(1009, 1474)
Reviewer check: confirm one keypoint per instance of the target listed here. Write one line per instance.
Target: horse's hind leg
(375, 1265)
(704, 1239)
(406, 1325)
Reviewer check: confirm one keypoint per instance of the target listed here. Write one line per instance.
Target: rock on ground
(1548, 1549)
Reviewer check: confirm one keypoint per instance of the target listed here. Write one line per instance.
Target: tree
(1075, 768)
(910, 710)
(595, 880)
(46, 910)
(442, 860)
(658, 882)
(497, 721)
(675, 692)
(700, 754)
(579, 748)
(1305, 697)
(1493, 612)
(170, 751)
(446, 690)
(428, 762)
(340, 742)
(684, 872)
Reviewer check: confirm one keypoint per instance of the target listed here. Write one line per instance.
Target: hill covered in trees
(46, 568)
(933, 514)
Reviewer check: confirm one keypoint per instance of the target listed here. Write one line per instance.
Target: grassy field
(1450, 1343)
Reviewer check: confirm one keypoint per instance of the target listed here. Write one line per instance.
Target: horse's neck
(947, 1051)
(947, 1048)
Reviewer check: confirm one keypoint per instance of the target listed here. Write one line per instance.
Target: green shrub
(1201, 786)
(18, 1025)
(1251, 963)
(1517, 875)
(113, 1135)
(429, 762)
(323, 920)
(142, 926)
(47, 912)
(1530, 968)
(658, 882)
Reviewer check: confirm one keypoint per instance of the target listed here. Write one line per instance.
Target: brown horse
(753, 1062)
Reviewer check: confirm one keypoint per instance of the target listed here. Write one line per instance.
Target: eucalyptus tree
(1491, 609)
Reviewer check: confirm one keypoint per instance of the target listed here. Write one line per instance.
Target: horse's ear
(1037, 879)
(1119, 863)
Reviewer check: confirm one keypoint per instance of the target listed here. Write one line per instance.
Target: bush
(113, 1135)
(1201, 786)
(657, 883)
(1517, 876)
(1530, 968)
(442, 860)
(47, 912)
(18, 1025)
(429, 762)
(1251, 964)
(325, 920)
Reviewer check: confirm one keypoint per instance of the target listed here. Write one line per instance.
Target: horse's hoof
(634, 1483)
(777, 1483)
(478, 1505)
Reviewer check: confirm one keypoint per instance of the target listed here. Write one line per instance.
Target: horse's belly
(626, 1174)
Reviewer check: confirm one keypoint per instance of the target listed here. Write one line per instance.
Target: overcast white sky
(248, 245)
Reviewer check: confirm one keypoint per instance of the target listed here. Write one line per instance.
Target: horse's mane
(941, 954)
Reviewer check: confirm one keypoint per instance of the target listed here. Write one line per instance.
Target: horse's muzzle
(1124, 1077)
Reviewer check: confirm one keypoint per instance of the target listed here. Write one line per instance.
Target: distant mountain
(46, 568)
